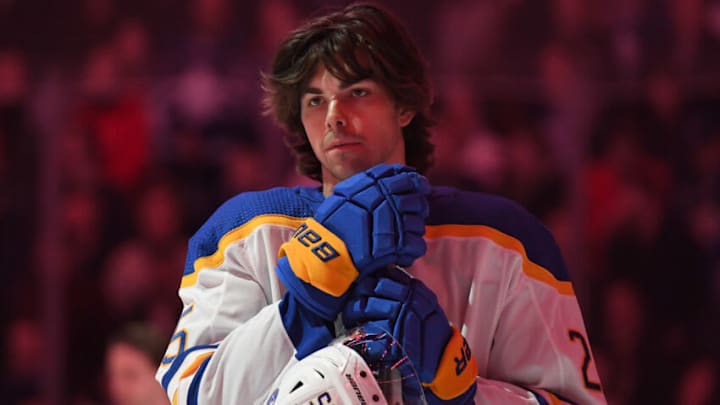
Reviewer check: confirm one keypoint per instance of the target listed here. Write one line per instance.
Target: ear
(405, 116)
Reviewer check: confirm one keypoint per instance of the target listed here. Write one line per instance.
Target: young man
(484, 308)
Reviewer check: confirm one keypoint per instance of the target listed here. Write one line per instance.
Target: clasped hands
(342, 261)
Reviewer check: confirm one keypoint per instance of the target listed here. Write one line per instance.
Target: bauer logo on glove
(319, 247)
(318, 257)
(461, 363)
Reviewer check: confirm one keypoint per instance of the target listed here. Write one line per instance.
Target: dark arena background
(124, 124)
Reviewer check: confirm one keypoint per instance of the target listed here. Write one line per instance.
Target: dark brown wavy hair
(361, 41)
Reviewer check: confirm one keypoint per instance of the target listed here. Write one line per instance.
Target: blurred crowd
(123, 125)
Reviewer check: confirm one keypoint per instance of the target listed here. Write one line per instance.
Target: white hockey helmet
(338, 374)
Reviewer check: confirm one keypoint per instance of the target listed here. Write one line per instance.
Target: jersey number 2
(575, 335)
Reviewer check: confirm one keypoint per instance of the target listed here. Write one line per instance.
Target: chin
(348, 169)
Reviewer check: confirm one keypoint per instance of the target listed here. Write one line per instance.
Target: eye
(314, 101)
(359, 92)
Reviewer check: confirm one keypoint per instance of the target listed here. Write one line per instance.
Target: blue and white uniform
(497, 273)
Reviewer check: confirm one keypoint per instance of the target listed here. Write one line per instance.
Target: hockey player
(487, 313)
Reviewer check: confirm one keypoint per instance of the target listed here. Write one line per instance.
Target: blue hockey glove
(393, 301)
(372, 219)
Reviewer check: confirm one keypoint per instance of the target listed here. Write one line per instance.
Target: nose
(335, 117)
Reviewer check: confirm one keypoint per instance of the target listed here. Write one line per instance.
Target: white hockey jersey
(496, 270)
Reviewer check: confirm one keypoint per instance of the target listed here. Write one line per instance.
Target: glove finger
(391, 289)
(335, 210)
(404, 183)
(381, 308)
(369, 198)
(353, 184)
(411, 204)
(422, 185)
(413, 224)
(328, 207)
(362, 181)
(370, 309)
(384, 232)
(423, 301)
(413, 248)
(377, 329)
(353, 314)
(413, 340)
(384, 170)
(364, 287)
(365, 309)
(398, 168)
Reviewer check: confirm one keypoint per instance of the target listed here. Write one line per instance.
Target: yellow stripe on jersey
(193, 367)
(530, 268)
(217, 258)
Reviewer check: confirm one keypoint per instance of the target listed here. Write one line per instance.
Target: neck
(327, 188)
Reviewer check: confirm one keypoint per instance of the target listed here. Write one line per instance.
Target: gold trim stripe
(529, 267)
(216, 259)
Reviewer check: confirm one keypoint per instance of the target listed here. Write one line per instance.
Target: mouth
(343, 144)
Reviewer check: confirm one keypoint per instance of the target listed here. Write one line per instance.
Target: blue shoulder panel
(452, 206)
(299, 202)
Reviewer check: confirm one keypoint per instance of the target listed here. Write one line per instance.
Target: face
(131, 377)
(351, 126)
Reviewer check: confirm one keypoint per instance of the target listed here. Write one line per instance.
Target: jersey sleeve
(540, 345)
(511, 293)
(229, 344)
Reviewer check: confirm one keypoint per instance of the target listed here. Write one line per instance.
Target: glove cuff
(457, 370)
(318, 302)
(306, 330)
(467, 398)
(318, 257)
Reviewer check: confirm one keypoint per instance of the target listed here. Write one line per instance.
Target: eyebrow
(311, 90)
(343, 86)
